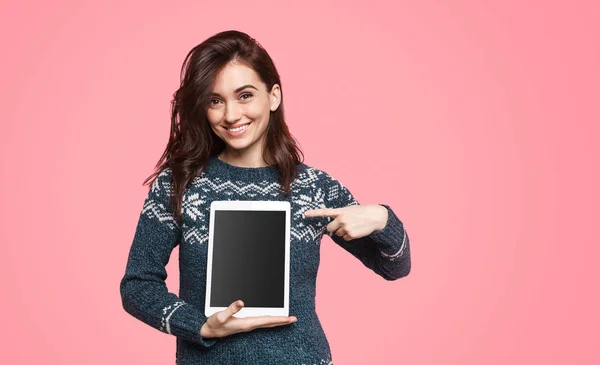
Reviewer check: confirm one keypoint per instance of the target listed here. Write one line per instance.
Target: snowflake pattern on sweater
(146, 297)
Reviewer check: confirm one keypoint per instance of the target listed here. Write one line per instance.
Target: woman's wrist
(383, 219)
(204, 332)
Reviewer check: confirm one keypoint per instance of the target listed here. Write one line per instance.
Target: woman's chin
(237, 144)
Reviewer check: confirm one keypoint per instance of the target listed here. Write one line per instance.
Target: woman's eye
(244, 96)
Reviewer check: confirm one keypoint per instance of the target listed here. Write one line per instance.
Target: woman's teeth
(240, 128)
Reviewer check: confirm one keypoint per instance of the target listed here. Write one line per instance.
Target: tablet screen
(248, 258)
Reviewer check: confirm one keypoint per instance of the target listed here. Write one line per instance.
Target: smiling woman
(240, 115)
(229, 141)
(228, 81)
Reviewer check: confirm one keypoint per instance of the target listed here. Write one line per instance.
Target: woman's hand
(223, 323)
(354, 221)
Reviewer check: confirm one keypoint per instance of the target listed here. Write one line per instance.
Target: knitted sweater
(145, 295)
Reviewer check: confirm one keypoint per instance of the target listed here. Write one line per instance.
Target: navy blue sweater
(145, 295)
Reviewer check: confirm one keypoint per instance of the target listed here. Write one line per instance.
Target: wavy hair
(192, 142)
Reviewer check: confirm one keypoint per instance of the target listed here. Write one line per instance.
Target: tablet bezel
(256, 205)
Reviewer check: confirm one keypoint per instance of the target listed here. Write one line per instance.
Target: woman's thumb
(234, 307)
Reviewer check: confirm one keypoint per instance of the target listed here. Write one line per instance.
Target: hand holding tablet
(223, 323)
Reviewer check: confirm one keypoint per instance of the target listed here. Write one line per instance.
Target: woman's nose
(232, 112)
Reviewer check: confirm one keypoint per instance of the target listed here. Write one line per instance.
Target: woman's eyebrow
(236, 90)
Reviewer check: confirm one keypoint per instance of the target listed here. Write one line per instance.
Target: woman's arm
(143, 289)
(386, 251)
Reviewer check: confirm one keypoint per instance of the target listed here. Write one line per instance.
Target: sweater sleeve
(386, 251)
(143, 289)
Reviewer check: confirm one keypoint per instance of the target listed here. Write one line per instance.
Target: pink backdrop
(477, 122)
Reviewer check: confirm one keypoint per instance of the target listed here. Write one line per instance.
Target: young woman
(229, 141)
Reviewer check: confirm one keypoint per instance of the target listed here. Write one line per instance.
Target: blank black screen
(248, 258)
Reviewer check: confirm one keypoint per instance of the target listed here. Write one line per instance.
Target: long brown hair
(192, 141)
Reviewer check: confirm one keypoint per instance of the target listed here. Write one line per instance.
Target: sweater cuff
(391, 239)
(185, 322)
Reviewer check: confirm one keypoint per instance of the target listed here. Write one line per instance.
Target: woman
(229, 141)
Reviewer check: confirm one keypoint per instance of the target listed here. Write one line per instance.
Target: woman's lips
(239, 133)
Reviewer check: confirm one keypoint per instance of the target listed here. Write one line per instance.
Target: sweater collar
(231, 172)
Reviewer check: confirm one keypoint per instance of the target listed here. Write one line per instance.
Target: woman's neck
(242, 159)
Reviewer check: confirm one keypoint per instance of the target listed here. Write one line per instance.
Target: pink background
(477, 122)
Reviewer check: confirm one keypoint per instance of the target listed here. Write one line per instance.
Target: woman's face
(240, 98)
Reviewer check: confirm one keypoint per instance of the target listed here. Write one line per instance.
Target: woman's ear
(275, 97)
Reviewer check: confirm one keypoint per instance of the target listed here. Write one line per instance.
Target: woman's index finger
(322, 212)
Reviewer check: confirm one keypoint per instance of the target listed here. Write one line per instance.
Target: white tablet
(249, 257)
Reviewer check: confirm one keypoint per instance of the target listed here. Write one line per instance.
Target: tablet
(249, 257)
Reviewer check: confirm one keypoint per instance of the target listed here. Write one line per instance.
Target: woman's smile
(238, 131)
